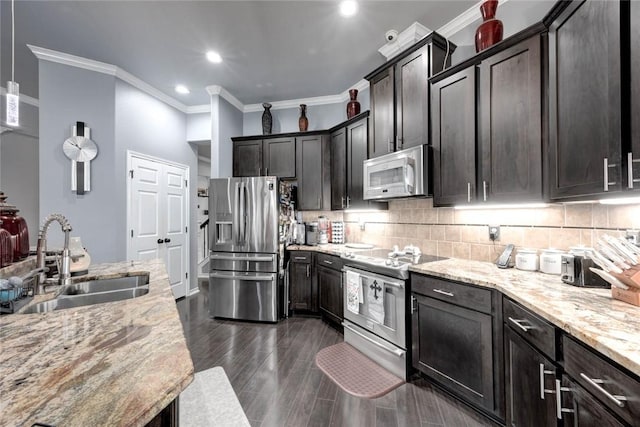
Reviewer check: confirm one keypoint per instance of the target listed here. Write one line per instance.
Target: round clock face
(80, 149)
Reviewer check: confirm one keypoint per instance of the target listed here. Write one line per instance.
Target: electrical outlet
(494, 232)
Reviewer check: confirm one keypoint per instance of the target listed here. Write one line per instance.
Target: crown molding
(463, 20)
(198, 109)
(26, 99)
(104, 68)
(222, 92)
(406, 38)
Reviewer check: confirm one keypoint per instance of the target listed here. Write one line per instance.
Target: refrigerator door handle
(236, 216)
(242, 218)
(243, 222)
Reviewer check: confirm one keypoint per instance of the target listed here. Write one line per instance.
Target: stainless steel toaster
(575, 271)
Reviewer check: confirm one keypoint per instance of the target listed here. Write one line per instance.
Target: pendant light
(13, 88)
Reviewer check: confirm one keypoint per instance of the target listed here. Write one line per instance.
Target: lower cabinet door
(530, 384)
(330, 289)
(454, 346)
(579, 408)
(301, 295)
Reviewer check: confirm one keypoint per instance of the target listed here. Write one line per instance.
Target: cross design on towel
(376, 288)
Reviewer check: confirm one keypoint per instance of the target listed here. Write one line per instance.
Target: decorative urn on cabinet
(490, 31)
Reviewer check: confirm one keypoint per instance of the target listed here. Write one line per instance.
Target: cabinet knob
(167, 240)
(160, 241)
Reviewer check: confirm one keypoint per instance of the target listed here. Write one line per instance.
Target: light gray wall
(68, 95)
(19, 177)
(230, 121)
(149, 126)
(199, 127)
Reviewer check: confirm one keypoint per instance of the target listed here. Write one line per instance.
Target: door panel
(338, 169)
(356, 154)
(279, 157)
(176, 229)
(260, 201)
(412, 100)
(382, 114)
(247, 158)
(310, 179)
(146, 210)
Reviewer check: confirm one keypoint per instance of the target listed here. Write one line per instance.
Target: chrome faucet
(64, 274)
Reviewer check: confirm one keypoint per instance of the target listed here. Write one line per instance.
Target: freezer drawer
(244, 296)
(243, 262)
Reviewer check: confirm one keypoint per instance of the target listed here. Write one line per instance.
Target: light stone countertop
(591, 315)
(113, 364)
(329, 248)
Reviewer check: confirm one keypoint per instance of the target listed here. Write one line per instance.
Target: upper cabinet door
(280, 157)
(338, 169)
(453, 121)
(412, 103)
(313, 179)
(511, 124)
(247, 158)
(382, 114)
(633, 156)
(585, 100)
(356, 155)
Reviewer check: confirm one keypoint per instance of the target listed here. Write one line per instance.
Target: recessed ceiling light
(214, 57)
(182, 89)
(348, 7)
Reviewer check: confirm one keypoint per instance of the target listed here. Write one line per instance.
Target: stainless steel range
(375, 309)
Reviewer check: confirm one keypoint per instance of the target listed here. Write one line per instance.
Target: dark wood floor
(272, 370)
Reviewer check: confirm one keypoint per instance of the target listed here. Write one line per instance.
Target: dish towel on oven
(375, 301)
(354, 292)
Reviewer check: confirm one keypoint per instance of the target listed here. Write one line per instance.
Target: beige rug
(355, 373)
(210, 401)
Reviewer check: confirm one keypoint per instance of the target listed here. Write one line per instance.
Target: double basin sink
(94, 292)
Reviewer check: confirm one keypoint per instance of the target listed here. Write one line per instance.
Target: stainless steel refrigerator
(244, 239)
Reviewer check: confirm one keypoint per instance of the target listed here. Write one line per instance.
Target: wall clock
(80, 149)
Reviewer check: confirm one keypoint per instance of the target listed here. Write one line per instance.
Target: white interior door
(158, 216)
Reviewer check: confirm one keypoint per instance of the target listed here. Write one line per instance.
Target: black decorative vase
(267, 120)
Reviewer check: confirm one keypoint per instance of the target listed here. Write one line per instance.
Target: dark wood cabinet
(633, 153)
(529, 384)
(302, 292)
(330, 293)
(399, 96)
(580, 409)
(453, 134)
(510, 142)
(458, 346)
(279, 157)
(412, 105)
(585, 107)
(338, 168)
(262, 157)
(247, 158)
(314, 181)
(382, 114)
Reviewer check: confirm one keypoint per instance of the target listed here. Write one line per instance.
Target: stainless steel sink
(70, 301)
(104, 285)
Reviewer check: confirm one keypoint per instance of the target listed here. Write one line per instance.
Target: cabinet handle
(440, 291)
(520, 325)
(606, 174)
(308, 270)
(348, 202)
(160, 241)
(390, 147)
(328, 262)
(595, 383)
(484, 190)
(259, 171)
(413, 307)
(342, 201)
(543, 390)
(395, 351)
(266, 172)
(468, 192)
(559, 408)
(167, 240)
(399, 143)
(630, 163)
(300, 257)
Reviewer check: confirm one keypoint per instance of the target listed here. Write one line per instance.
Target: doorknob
(167, 240)
(160, 241)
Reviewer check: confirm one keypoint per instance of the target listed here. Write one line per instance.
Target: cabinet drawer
(329, 261)
(456, 293)
(602, 379)
(298, 256)
(534, 329)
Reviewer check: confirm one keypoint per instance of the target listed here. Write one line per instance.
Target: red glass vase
(6, 248)
(16, 226)
(353, 106)
(303, 122)
(490, 31)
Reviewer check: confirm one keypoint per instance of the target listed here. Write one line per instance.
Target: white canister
(527, 259)
(551, 261)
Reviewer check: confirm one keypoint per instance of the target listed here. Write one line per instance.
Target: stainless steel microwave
(400, 174)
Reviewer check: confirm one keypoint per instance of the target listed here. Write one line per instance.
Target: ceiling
(272, 50)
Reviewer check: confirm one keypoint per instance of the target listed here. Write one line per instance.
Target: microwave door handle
(409, 178)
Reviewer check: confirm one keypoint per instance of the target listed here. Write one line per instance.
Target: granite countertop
(115, 364)
(327, 248)
(591, 315)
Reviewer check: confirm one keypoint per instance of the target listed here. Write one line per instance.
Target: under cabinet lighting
(620, 201)
(348, 8)
(182, 89)
(214, 57)
(511, 206)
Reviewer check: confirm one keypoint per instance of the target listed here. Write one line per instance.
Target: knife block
(630, 296)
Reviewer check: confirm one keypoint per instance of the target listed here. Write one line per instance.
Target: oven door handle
(395, 351)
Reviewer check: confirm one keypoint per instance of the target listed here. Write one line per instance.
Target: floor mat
(354, 372)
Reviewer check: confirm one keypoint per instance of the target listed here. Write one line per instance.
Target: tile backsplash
(463, 233)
